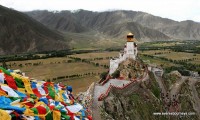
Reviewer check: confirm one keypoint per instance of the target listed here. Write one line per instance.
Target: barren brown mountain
(20, 33)
(161, 28)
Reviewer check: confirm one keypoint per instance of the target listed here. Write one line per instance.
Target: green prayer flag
(67, 117)
(19, 83)
(35, 110)
(5, 71)
(51, 92)
(49, 116)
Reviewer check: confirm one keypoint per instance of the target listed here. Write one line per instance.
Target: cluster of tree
(183, 63)
(113, 49)
(35, 63)
(103, 75)
(19, 57)
(180, 69)
(144, 48)
(116, 74)
(101, 58)
(25, 64)
(186, 46)
(158, 53)
(89, 61)
(47, 54)
(98, 64)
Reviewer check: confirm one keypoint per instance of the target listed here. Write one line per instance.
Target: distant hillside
(20, 33)
(183, 30)
(141, 32)
(63, 21)
(78, 21)
(104, 24)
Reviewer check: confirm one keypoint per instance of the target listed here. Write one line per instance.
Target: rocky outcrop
(133, 103)
(131, 69)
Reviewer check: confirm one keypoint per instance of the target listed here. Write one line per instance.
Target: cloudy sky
(174, 9)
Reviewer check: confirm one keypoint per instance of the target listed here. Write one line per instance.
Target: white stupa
(130, 52)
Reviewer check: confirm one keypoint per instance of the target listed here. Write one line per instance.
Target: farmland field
(156, 61)
(173, 55)
(102, 62)
(43, 61)
(152, 52)
(165, 44)
(48, 71)
(96, 55)
(81, 84)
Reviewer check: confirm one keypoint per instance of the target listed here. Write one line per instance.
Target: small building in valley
(194, 74)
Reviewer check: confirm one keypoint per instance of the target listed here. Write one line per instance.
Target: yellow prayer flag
(4, 115)
(56, 115)
(29, 112)
(22, 90)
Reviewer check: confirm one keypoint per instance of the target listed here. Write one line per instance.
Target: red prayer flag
(36, 92)
(29, 104)
(41, 110)
(10, 81)
(46, 90)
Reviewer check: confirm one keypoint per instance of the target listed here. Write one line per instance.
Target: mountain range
(114, 24)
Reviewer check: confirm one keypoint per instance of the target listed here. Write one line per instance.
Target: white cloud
(173, 9)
